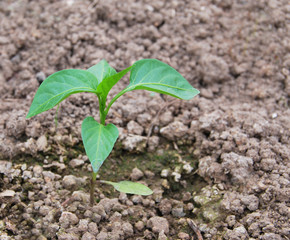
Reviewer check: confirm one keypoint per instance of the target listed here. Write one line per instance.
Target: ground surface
(229, 146)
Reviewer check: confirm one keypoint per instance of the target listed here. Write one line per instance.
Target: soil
(219, 162)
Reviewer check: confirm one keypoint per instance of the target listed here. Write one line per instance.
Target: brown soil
(235, 134)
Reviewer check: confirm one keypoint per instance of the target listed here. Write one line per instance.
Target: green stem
(102, 111)
(102, 117)
(115, 98)
(92, 190)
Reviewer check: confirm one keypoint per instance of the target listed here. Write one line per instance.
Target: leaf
(102, 70)
(98, 140)
(59, 86)
(106, 85)
(107, 77)
(156, 76)
(130, 187)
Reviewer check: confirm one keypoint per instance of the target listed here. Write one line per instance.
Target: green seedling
(99, 138)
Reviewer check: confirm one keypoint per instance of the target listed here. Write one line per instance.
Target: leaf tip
(194, 93)
(148, 193)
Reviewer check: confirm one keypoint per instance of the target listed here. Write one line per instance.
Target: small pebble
(136, 174)
(7, 193)
(164, 173)
(75, 163)
(183, 236)
(139, 225)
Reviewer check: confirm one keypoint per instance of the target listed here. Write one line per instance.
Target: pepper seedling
(99, 138)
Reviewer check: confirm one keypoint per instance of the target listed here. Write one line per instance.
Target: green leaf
(98, 140)
(156, 76)
(59, 86)
(106, 85)
(107, 77)
(102, 70)
(130, 187)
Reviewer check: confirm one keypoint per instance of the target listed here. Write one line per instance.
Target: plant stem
(92, 190)
(115, 98)
(102, 106)
(102, 117)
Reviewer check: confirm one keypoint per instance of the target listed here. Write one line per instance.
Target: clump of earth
(219, 161)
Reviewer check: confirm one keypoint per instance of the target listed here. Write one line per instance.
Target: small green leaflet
(156, 76)
(102, 70)
(59, 86)
(130, 187)
(106, 85)
(107, 77)
(98, 140)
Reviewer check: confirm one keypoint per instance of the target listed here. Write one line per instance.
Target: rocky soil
(220, 161)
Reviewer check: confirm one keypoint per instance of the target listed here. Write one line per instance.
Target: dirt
(220, 160)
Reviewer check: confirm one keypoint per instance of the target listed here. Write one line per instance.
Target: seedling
(99, 138)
